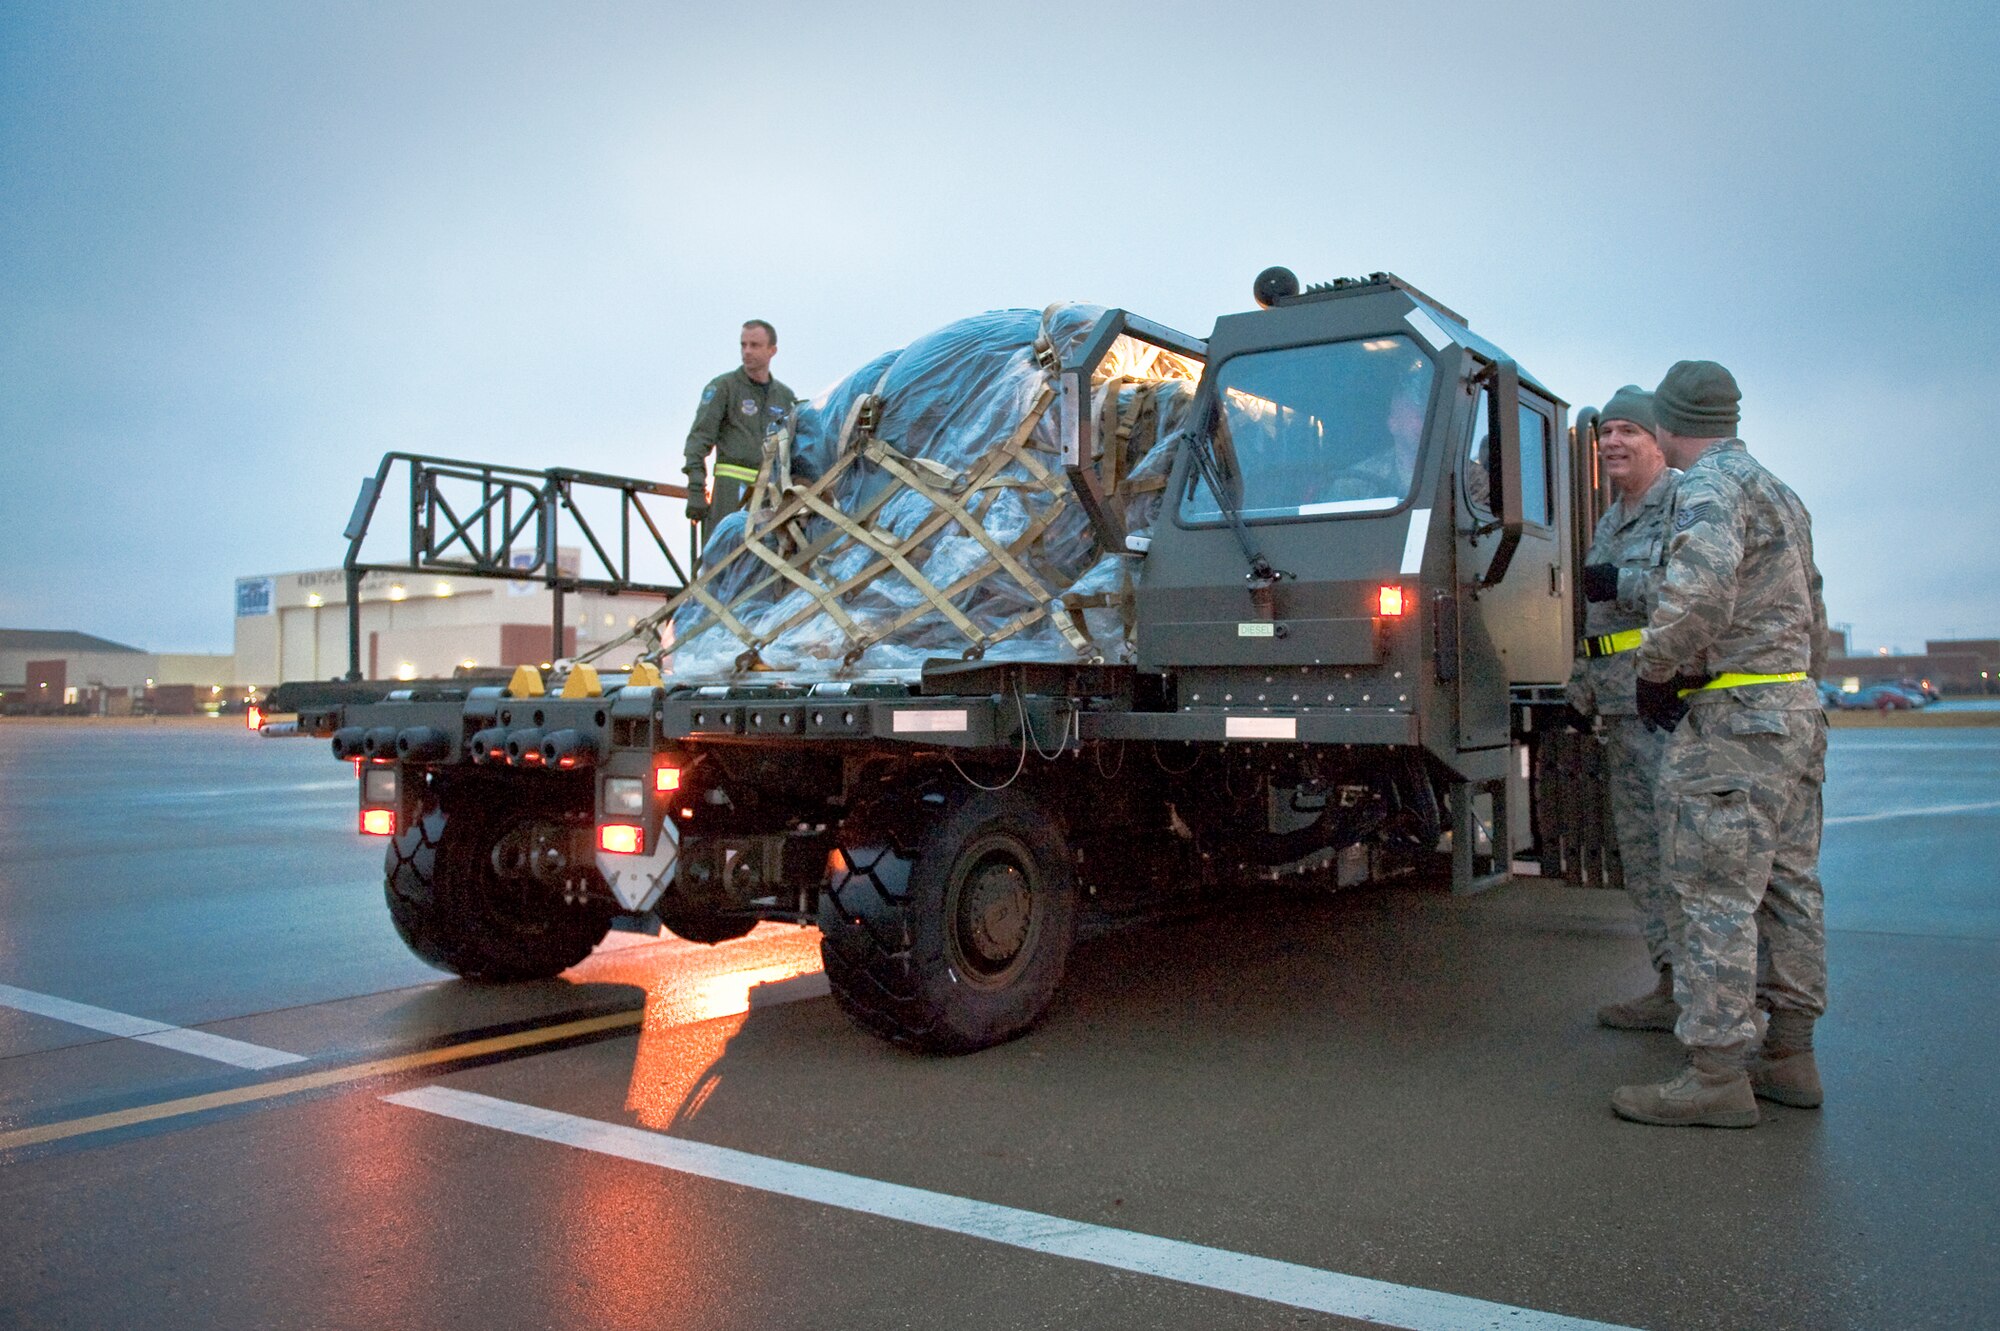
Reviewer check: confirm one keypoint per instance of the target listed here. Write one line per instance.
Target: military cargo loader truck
(1339, 624)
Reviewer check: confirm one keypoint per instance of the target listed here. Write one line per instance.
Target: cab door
(1517, 630)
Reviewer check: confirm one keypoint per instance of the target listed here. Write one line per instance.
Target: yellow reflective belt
(1610, 644)
(1738, 681)
(731, 471)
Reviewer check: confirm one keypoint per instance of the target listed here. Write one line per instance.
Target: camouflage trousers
(1739, 825)
(1632, 772)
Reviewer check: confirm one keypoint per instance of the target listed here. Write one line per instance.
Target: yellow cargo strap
(938, 518)
(1732, 681)
(803, 556)
(730, 471)
(1610, 644)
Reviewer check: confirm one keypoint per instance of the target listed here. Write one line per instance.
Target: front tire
(454, 910)
(952, 937)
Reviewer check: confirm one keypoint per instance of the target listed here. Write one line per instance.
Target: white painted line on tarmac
(1287, 1283)
(1932, 811)
(216, 1048)
(221, 1049)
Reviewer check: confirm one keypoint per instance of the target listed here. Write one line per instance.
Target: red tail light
(619, 838)
(253, 717)
(378, 822)
(1389, 601)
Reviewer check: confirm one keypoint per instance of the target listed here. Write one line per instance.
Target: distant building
(1970, 665)
(53, 670)
(293, 626)
(1949, 665)
(48, 669)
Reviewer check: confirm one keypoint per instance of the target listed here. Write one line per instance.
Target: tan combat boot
(1712, 1091)
(1785, 1070)
(1653, 1011)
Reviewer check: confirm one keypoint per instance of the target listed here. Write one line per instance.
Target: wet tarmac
(1384, 1103)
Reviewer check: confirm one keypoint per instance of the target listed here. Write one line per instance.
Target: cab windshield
(1319, 430)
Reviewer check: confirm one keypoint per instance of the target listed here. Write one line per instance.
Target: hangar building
(293, 626)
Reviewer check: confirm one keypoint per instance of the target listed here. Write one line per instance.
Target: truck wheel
(453, 908)
(959, 941)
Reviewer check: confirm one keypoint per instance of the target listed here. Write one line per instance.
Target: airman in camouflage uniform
(1726, 666)
(736, 409)
(1621, 580)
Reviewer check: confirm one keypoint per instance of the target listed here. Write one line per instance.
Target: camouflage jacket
(734, 413)
(1633, 537)
(1739, 591)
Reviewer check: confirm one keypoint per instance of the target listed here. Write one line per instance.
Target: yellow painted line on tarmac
(312, 1081)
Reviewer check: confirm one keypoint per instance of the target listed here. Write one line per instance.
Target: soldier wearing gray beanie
(1698, 400)
(1725, 667)
(1632, 403)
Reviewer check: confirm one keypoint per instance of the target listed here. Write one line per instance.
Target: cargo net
(921, 510)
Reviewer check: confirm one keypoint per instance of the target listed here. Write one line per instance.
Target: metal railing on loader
(480, 520)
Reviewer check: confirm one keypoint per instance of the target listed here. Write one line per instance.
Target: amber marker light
(253, 717)
(1389, 601)
(666, 778)
(619, 838)
(378, 822)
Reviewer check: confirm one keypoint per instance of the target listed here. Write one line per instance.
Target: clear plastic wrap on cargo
(947, 402)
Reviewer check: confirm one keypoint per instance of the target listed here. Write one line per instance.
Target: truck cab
(1388, 559)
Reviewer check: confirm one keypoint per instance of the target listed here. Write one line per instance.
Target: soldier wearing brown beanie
(1726, 665)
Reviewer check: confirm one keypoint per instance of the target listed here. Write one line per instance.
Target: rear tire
(454, 910)
(952, 937)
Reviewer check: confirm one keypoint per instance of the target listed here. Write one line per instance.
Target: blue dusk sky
(247, 248)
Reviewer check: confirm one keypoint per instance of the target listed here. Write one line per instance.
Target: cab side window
(1535, 486)
(1477, 473)
(1481, 477)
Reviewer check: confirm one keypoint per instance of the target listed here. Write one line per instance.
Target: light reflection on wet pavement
(697, 998)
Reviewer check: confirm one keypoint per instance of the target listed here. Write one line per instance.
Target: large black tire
(952, 936)
(456, 912)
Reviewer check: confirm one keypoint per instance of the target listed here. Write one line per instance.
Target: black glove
(697, 508)
(1572, 719)
(1661, 706)
(1600, 582)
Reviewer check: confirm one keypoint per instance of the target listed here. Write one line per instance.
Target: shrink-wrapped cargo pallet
(920, 510)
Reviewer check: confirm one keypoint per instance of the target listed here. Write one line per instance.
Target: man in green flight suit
(736, 409)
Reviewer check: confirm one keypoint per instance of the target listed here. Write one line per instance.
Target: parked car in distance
(1921, 688)
(1888, 698)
